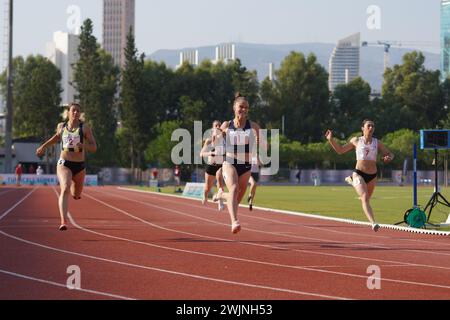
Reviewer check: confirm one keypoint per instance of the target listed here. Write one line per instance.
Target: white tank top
(218, 146)
(366, 152)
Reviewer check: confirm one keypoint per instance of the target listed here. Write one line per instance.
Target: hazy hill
(258, 56)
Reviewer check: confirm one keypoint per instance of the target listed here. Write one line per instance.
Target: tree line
(134, 110)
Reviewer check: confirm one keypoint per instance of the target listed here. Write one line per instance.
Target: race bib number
(61, 162)
(71, 141)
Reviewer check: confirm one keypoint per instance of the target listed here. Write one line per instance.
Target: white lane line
(182, 274)
(17, 204)
(171, 199)
(8, 212)
(22, 276)
(7, 191)
(259, 231)
(159, 196)
(374, 245)
(73, 222)
(248, 229)
(296, 250)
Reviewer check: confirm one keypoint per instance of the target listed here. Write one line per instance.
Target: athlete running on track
(240, 133)
(364, 177)
(76, 139)
(254, 179)
(214, 149)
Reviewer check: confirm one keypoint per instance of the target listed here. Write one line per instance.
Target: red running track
(131, 245)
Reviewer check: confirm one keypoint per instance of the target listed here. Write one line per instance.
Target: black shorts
(367, 177)
(75, 167)
(212, 169)
(242, 168)
(255, 176)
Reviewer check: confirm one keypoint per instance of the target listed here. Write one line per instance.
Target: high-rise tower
(118, 18)
(63, 52)
(344, 61)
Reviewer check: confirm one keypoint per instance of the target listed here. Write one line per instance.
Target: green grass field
(389, 203)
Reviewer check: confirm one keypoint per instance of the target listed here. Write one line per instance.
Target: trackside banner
(43, 180)
(193, 190)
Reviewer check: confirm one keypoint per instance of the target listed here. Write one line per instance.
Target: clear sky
(173, 24)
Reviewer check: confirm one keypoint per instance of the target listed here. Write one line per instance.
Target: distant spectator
(32, 170)
(177, 176)
(18, 174)
(298, 176)
(155, 174)
(39, 171)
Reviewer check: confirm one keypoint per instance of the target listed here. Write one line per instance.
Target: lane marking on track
(259, 231)
(205, 278)
(17, 204)
(56, 284)
(248, 229)
(127, 264)
(292, 213)
(306, 215)
(123, 263)
(6, 192)
(296, 250)
(35, 279)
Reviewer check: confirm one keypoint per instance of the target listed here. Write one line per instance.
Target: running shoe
(349, 180)
(220, 205)
(235, 227)
(375, 227)
(63, 227)
(217, 196)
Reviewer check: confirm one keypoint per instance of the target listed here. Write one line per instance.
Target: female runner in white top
(364, 177)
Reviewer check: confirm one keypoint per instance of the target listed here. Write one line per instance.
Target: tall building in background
(445, 39)
(118, 18)
(189, 56)
(63, 52)
(344, 61)
(225, 53)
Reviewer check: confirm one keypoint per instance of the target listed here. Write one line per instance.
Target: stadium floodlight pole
(9, 98)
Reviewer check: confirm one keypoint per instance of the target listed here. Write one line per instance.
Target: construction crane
(388, 44)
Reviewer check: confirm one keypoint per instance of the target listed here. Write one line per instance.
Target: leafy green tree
(136, 120)
(302, 87)
(159, 150)
(95, 78)
(191, 111)
(160, 89)
(270, 110)
(401, 144)
(445, 122)
(36, 96)
(244, 81)
(412, 96)
(351, 105)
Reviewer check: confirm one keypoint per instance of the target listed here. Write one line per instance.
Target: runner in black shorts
(213, 148)
(254, 179)
(242, 135)
(364, 178)
(76, 139)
